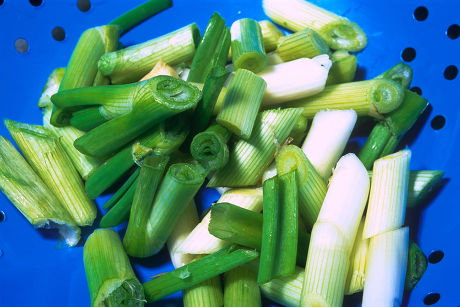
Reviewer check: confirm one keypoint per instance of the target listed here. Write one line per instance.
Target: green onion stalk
(118, 195)
(250, 158)
(280, 227)
(210, 148)
(198, 271)
(212, 50)
(136, 241)
(302, 44)
(131, 64)
(87, 119)
(167, 96)
(241, 288)
(248, 50)
(416, 266)
(31, 196)
(48, 158)
(111, 279)
(206, 294)
(386, 134)
(161, 140)
(400, 73)
(81, 71)
(343, 67)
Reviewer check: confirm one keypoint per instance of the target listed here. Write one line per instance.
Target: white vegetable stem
(200, 241)
(184, 227)
(357, 270)
(326, 140)
(386, 269)
(346, 197)
(295, 79)
(387, 200)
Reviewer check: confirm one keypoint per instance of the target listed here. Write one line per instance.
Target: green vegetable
(241, 288)
(210, 149)
(302, 44)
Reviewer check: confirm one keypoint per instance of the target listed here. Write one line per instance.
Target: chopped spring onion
(47, 157)
(87, 119)
(240, 288)
(346, 198)
(357, 271)
(386, 268)
(81, 70)
(205, 294)
(122, 190)
(132, 63)
(236, 225)
(250, 158)
(136, 241)
(187, 222)
(339, 32)
(30, 195)
(212, 50)
(299, 131)
(51, 87)
(111, 280)
(416, 266)
(248, 50)
(305, 43)
(326, 268)
(140, 13)
(294, 80)
(387, 200)
(160, 69)
(400, 73)
(367, 98)
(200, 241)
(242, 103)
(177, 189)
(169, 95)
(271, 35)
(327, 138)
(343, 67)
(312, 188)
(210, 149)
(280, 227)
(197, 272)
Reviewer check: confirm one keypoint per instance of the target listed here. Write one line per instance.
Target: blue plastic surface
(36, 269)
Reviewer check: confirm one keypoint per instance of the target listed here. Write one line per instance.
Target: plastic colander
(36, 36)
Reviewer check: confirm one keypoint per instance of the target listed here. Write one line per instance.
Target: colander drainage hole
(417, 90)
(438, 122)
(1, 2)
(408, 54)
(21, 45)
(436, 256)
(58, 34)
(2, 216)
(84, 5)
(421, 13)
(431, 298)
(36, 2)
(453, 31)
(451, 72)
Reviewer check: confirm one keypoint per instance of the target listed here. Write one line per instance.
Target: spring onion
(343, 67)
(294, 80)
(177, 189)
(136, 241)
(327, 138)
(242, 103)
(305, 43)
(205, 294)
(271, 35)
(47, 157)
(82, 67)
(338, 32)
(51, 87)
(160, 69)
(169, 97)
(387, 200)
(299, 131)
(187, 222)
(132, 63)
(111, 280)
(212, 50)
(30, 195)
(367, 98)
(210, 149)
(416, 266)
(200, 241)
(122, 190)
(87, 119)
(140, 13)
(250, 158)
(197, 271)
(240, 288)
(248, 50)
(400, 73)
(357, 270)
(420, 185)
(312, 188)
(386, 268)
